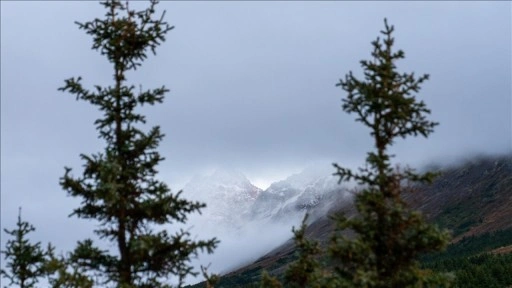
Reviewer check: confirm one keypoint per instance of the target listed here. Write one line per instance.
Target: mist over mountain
(228, 194)
(468, 198)
(293, 196)
(233, 201)
(249, 221)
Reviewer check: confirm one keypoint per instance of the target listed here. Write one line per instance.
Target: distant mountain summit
(469, 199)
(228, 194)
(233, 201)
(312, 190)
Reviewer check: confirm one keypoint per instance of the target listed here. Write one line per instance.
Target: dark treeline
(473, 263)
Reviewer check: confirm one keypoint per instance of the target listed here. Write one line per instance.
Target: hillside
(471, 199)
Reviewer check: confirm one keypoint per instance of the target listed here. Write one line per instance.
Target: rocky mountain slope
(234, 202)
(311, 190)
(248, 221)
(469, 199)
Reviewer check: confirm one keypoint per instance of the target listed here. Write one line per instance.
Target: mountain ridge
(470, 199)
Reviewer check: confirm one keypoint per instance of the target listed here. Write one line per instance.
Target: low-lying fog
(249, 221)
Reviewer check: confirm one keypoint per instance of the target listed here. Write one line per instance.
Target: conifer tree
(211, 279)
(305, 272)
(24, 260)
(118, 187)
(64, 272)
(268, 281)
(381, 245)
(389, 236)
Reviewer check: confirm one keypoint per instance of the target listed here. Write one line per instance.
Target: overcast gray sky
(252, 88)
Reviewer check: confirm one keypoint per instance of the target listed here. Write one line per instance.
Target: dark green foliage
(460, 217)
(469, 246)
(389, 236)
(65, 273)
(473, 265)
(28, 263)
(480, 270)
(24, 260)
(306, 269)
(485, 271)
(118, 186)
(268, 281)
(210, 279)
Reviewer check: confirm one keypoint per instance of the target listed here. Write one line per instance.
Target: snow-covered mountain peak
(313, 188)
(221, 180)
(303, 179)
(233, 201)
(228, 194)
